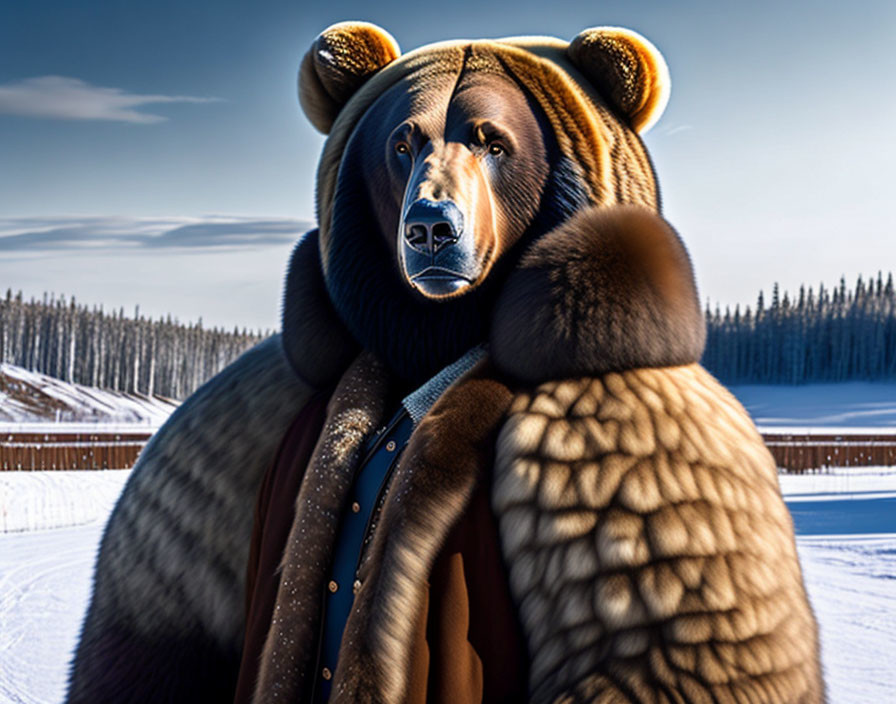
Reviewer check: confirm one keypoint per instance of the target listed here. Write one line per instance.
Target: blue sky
(154, 153)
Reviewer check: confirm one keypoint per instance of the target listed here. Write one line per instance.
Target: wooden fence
(68, 450)
(802, 452)
(795, 452)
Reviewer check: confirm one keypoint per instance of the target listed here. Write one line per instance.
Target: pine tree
(836, 335)
(62, 338)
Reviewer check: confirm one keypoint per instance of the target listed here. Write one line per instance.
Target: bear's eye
(495, 148)
(402, 148)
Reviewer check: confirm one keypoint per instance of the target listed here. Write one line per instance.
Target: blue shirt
(356, 528)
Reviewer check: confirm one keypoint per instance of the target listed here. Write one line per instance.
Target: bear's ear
(339, 61)
(627, 70)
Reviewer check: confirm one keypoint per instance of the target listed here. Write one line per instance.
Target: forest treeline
(840, 334)
(90, 346)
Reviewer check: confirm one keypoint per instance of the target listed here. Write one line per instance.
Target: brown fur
(449, 453)
(447, 129)
(627, 69)
(611, 289)
(446, 456)
(338, 62)
(651, 554)
(591, 158)
(355, 409)
(609, 159)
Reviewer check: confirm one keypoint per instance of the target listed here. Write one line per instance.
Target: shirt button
(390, 446)
(356, 587)
(356, 507)
(332, 586)
(326, 674)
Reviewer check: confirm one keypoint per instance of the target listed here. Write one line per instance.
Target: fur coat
(639, 543)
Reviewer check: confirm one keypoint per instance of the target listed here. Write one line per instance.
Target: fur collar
(611, 289)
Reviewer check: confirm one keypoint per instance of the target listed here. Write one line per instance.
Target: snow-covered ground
(845, 520)
(846, 537)
(854, 407)
(54, 522)
(31, 501)
(30, 397)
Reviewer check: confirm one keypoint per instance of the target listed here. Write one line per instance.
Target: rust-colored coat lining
(476, 647)
(468, 646)
(274, 514)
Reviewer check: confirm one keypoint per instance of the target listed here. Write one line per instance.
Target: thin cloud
(676, 129)
(240, 233)
(62, 98)
(105, 234)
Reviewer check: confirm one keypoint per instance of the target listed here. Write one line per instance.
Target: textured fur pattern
(627, 69)
(339, 61)
(355, 409)
(651, 554)
(165, 622)
(449, 452)
(610, 289)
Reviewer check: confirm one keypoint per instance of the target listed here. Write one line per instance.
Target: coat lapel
(355, 409)
(445, 458)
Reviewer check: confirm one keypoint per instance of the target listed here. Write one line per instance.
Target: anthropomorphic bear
(481, 463)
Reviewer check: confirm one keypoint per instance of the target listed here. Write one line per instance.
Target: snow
(44, 589)
(65, 428)
(30, 397)
(845, 521)
(31, 501)
(51, 526)
(854, 407)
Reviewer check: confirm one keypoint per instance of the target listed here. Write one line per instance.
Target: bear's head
(442, 166)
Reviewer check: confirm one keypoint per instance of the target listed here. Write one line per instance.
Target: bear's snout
(430, 226)
(438, 257)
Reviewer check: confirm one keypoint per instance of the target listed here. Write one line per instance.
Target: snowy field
(53, 522)
(846, 525)
(854, 407)
(31, 397)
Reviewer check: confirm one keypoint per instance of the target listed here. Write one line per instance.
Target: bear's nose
(430, 226)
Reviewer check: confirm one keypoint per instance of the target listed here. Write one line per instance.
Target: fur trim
(315, 341)
(442, 465)
(446, 455)
(611, 289)
(355, 410)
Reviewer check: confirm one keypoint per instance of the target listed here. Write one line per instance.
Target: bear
(577, 511)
